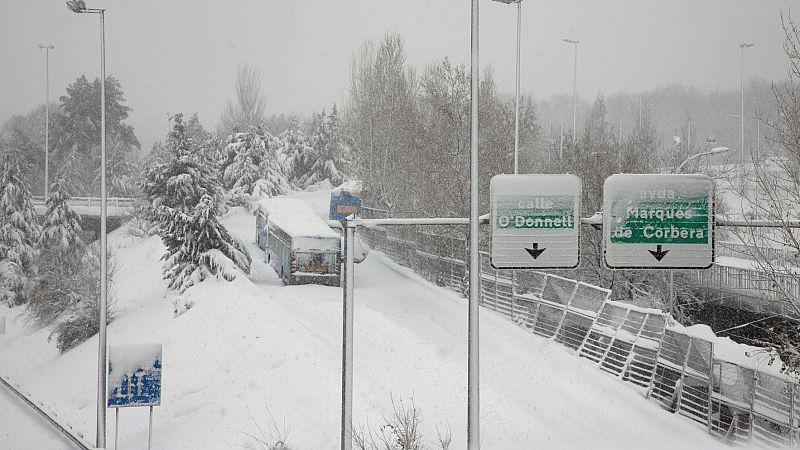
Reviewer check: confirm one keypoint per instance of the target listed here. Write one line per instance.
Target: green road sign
(535, 222)
(658, 221)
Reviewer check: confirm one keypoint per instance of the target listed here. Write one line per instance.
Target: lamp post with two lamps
(79, 7)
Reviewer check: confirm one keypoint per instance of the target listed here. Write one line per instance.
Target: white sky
(181, 55)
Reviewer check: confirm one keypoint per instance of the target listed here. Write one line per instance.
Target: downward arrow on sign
(658, 254)
(535, 251)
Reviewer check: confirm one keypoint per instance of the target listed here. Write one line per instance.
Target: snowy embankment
(253, 343)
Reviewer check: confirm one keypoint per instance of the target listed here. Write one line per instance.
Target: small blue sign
(344, 204)
(134, 375)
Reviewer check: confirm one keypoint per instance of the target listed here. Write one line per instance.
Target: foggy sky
(181, 55)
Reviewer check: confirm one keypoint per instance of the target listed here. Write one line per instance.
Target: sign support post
(349, 225)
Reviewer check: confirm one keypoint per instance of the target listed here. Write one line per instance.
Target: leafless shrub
(271, 437)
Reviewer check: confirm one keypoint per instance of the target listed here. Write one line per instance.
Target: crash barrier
(740, 405)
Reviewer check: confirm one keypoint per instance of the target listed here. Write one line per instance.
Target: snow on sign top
(658, 221)
(295, 217)
(535, 221)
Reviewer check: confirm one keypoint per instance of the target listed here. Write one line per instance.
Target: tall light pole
(473, 325)
(79, 6)
(574, 91)
(713, 151)
(741, 79)
(708, 153)
(47, 48)
(516, 97)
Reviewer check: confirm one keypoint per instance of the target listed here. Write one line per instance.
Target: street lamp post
(741, 80)
(47, 48)
(574, 90)
(713, 151)
(79, 6)
(516, 97)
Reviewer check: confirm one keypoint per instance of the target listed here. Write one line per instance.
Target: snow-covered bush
(400, 432)
(269, 436)
(81, 319)
(184, 201)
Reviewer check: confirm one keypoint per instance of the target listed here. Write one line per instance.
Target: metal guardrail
(63, 429)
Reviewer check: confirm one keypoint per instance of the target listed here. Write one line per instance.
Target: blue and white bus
(297, 243)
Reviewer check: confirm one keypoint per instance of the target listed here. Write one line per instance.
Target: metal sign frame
(536, 188)
(657, 251)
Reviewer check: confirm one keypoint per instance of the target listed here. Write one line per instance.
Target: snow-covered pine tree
(247, 150)
(255, 168)
(272, 166)
(299, 154)
(329, 150)
(19, 232)
(61, 251)
(184, 200)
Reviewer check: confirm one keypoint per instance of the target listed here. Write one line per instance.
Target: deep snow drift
(253, 344)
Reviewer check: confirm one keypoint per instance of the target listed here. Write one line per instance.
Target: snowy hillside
(253, 344)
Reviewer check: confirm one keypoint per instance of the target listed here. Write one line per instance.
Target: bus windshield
(315, 262)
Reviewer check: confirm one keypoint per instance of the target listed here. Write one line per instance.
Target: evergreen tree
(247, 149)
(184, 199)
(61, 250)
(255, 167)
(18, 234)
(298, 152)
(75, 133)
(329, 151)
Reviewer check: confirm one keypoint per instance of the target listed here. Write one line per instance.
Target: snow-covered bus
(297, 243)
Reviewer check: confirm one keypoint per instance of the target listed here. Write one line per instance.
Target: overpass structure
(741, 283)
(116, 207)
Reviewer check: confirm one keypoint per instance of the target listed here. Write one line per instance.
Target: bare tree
(248, 111)
(770, 191)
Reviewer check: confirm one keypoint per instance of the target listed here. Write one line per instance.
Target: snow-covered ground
(253, 349)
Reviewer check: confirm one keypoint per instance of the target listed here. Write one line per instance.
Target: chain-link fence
(739, 404)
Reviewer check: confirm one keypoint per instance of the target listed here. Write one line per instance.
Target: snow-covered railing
(625, 340)
(93, 202)
(745, 251)
(682, 379)
(759, 288)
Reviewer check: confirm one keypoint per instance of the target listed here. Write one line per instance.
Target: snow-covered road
(251, 355)
(22, 428)
(411, 341)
